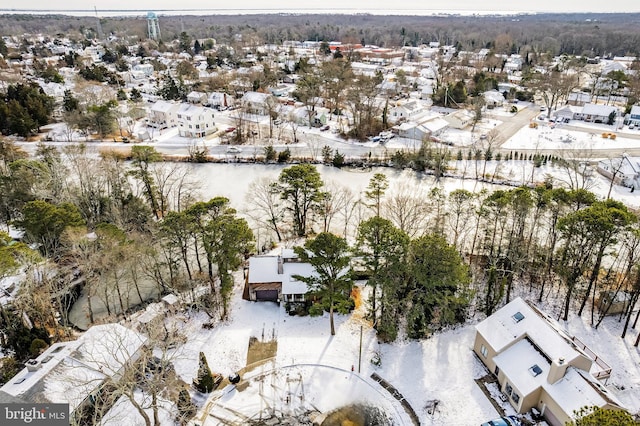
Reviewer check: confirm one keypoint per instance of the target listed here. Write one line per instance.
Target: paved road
(510, 127)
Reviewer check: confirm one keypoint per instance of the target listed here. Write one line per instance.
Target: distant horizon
(291, 11)
(373, 7)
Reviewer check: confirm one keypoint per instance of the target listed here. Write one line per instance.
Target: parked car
(230, 129)
(277, 122)
(325, 128)
(503, 421)
(234, 150)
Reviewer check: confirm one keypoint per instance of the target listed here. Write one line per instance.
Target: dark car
(503, 421)
(325, 128)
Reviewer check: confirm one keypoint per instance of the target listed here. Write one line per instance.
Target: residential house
(271, 278)
(459, 119)
(623, 170)
(407, 111)
(538, 366)
(257, 103)
(196, 98)
(597, 113)
(634, 115)
(579, 98)
(72, 372)
(412, 130)
(195, 121)
(163, 115)
(219, 100)
(493, 98)
(566, 113)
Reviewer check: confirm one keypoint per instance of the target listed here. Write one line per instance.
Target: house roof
(255, 97)
(578, 389)
(264, 269)
(635, 110)
(516, 363)
(601, 110)
(502, 329)
(67, 372)
(191, 110)
(164, 106)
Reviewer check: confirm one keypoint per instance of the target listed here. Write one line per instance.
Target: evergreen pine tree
(204, 382)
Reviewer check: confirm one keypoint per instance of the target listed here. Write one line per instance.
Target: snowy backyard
(314, 371)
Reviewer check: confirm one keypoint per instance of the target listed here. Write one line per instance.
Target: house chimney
(280, 268)
(33, 365)
(557, 370)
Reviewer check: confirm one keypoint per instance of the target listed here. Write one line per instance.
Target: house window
(508, 389)
(197, 126)
(483, 351)
(518, 316)
(535, 370)
(515, 397)
(496, 371)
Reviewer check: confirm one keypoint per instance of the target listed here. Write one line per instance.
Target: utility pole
(360, 351)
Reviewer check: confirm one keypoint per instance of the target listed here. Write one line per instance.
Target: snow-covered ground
(311, 362)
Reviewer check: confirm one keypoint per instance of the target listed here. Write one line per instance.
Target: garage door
(267, 295)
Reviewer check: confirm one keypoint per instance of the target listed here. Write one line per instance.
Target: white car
(234, 150)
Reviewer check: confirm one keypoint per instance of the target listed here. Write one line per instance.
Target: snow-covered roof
(164, 106)
(577, 389)
(264, 269)
(601, 110)
(255, 97)
(436, 124)
(517, 320)
(518, 363)
(277, 269)
(68, 371)
(191, 110)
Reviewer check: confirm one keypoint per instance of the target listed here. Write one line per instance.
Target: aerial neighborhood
(320, 219)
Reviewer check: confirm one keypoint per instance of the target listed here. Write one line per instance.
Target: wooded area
(572, 34)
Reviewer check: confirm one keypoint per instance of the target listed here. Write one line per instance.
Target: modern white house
(540, 367)
(195, 121)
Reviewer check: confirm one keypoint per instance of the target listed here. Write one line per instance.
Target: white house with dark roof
(539, 366)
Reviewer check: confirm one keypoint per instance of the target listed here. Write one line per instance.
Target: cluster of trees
(553, 33)
(555, 243)
(111, 226)
(24, 108)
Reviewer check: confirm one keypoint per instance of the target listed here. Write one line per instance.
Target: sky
(328, 5)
